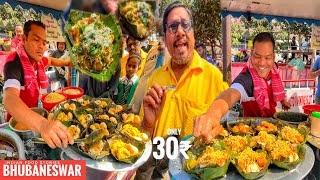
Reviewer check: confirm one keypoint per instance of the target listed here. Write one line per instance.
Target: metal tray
(274, 173)
(258, 120)
(294, 118)
(109, 163)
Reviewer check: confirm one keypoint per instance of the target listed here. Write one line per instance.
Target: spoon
(171, 88)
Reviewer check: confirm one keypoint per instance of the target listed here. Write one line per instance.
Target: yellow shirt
(124, 63)
(200, 84)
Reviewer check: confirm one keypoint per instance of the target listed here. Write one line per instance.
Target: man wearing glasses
(197, 83)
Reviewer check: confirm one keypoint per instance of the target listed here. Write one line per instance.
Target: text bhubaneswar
(41, 170)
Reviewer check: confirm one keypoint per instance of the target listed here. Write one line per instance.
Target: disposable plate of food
(137, 17)
(295, 166)
(94, 42)
(96, 124)
(177, 172)
(108, 163)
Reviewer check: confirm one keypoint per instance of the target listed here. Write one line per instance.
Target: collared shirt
(133, 80)
(304, 45)
(210, 60)
(126, 89)
(124, 80)
(124, 63)
(199, 85)
(28, 79)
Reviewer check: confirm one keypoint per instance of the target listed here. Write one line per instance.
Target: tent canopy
(54, 7)
(300, 11)
(59, 5)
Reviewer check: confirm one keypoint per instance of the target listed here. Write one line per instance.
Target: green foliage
(280, 30)
(165, 3)
(236, 35)
(16, 16)
(207, 20)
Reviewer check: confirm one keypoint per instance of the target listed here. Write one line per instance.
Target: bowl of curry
(73, 92)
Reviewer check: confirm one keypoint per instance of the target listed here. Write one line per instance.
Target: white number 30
(171, 153)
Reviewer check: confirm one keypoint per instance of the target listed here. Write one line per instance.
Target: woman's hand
(285, 105)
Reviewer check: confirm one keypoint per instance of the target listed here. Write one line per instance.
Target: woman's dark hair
(28, 24)
(264, 37)
(169, 9)
(137, 56)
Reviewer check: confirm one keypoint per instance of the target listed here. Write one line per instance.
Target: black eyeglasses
(173, 27)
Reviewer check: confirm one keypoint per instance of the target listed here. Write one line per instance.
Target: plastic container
(47, 105)
(315, 124)
(73, 96)
(308, 109)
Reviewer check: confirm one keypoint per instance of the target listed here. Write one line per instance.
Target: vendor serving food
(258, 88)
(24, 74)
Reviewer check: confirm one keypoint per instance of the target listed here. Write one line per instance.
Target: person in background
(47, 51)
(127, 85)
(17, 39)
(124, 46)
(235, 58)
(14, 43)
(258, 87)
(315, 72)
(178, 91)
(304, 47)
(297, 67)
(60, 71)
(245, 56)
(134, 47)
(61, 48)
(201, 49)
(293, 45)
(24, 75)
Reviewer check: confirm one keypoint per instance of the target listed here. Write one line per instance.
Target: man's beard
(181, 61)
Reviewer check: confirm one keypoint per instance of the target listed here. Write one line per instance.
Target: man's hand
(285, 105)
(111, 6)
(206, 126)
(54, 132)
(314, 73)
(70, 63)
(152, 104)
